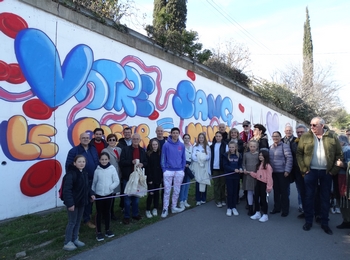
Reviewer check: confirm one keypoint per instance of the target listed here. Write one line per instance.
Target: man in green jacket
(318, 154)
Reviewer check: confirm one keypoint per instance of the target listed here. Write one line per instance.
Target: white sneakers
(218, 204)
(69, 246)
(230, 211)
(223, 203)
(186, 204)
(235, 212)
(262, 218)
(155, 212)
(177, 210)
(164, 213)
(78, 243)
(257, 215)
(198, 203)
(148, 214)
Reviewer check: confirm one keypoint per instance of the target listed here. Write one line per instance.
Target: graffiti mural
(58, 80)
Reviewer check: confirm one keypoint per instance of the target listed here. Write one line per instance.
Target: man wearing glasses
(247, 133)
(318, 155)
(132, 156)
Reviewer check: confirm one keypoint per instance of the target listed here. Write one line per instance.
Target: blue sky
(273, 32)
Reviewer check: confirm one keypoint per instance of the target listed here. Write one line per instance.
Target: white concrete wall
(44, 109)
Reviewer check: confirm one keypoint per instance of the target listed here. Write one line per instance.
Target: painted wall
(58, 80)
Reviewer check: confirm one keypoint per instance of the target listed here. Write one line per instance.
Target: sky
(272, 30)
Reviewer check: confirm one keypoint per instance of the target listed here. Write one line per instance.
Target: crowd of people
(98, 169)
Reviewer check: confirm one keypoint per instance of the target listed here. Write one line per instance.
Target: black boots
(250, 210)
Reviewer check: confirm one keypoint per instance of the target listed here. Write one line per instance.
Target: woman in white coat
(201, 167)
(105, 181)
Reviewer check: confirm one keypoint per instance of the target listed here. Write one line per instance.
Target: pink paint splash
(150, 69)
(111, 116)
(214, 120)
(78, 107)
(15, 97)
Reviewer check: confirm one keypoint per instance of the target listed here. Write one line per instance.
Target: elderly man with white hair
(319, 153)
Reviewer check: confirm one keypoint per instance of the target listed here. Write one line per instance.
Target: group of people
(98, 169)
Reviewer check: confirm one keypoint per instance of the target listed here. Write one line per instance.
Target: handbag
(137, 184)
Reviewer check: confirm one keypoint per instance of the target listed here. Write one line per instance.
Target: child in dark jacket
(232, 163)
(76, 194)
(154, 177)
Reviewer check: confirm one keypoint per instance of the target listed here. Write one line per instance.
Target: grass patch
(27, 233)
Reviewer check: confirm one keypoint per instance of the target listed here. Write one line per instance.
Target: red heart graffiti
(11, 24)
(154, 115)
(41, 177)
(241, 107)
(191, 75)
(37, 109)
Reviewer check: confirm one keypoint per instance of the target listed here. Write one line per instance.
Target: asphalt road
(205, 232)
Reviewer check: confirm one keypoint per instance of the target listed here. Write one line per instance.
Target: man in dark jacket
(299, 180)
(318, 153)
(126, 140)
(90, 153)
(122, 143)
(222, 130)
(132, 156)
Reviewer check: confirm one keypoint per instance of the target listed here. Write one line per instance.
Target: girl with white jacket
(201, 168)
(105, 181)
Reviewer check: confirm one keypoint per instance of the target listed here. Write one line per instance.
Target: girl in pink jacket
(263, 186)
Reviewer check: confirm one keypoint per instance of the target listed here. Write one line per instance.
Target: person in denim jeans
(76, 193)
(319, 156)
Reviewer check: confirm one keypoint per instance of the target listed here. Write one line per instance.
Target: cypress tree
(158, 14)
(308, 62)
(177, 10)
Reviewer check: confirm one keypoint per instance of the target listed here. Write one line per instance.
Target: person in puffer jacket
(76, 195)
(281, 160)
(105, 181)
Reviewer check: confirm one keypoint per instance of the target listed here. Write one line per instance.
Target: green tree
(342, 119)
(169, 30)
(282, 97)
(308, 68)
(159, 15)
(110, 9)
(177, 10)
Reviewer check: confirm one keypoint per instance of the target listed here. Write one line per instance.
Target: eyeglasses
(112, 140)
(245, 125)
(313, 125)
(85, 138)
(275, 136)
